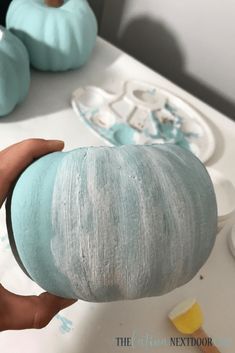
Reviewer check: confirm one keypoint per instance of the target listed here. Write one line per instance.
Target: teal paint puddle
(120, 134)
(3, 237)
(5, 242)
(66, 324)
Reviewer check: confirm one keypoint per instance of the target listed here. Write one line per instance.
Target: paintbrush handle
(208, 348)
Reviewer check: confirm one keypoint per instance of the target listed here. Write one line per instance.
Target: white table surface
(47, 113)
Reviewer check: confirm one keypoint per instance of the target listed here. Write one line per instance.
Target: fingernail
(56, 141)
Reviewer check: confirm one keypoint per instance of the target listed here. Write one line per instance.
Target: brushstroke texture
(124, 222)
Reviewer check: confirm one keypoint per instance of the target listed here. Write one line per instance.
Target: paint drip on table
(66, 325)
(143, 114)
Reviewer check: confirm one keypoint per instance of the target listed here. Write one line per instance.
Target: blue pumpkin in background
(14, 71)
(59, 35)
(113, 223)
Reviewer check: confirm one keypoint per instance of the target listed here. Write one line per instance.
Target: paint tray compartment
(144, 114)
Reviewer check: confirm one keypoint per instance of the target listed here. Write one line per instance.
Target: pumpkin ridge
(144, 275)
(15, 72)
(47, 39)
(23, 72)
(154, 160)
(5, 105)
(73, 6)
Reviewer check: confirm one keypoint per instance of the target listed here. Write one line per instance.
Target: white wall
(192, 42)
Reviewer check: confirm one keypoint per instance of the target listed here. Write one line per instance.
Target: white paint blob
(1, 34)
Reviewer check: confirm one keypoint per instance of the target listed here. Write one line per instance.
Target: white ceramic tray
(144, 114)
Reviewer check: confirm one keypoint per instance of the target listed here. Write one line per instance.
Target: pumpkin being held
(104, 224)
(59, 34)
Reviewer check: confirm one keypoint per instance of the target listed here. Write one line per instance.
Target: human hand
(22, 312)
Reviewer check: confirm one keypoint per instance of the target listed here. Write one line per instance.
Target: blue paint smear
(5, 241)
(152, 92)
(171, 109)
(66, 324)
(3, 237)
(170, 132)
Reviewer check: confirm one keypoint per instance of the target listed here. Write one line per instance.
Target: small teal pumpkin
(104, 224)
(57, 39)
(14, 71)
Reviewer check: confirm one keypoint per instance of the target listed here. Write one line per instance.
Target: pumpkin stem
(54, 3)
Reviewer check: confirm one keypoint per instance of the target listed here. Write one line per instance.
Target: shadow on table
(51, 92)
(108, 321)
(157, 46)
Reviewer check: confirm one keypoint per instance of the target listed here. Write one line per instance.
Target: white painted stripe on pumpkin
(129, 222)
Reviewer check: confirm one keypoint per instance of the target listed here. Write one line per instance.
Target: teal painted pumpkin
(14, 71)
(57, 38)
(104, 224)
